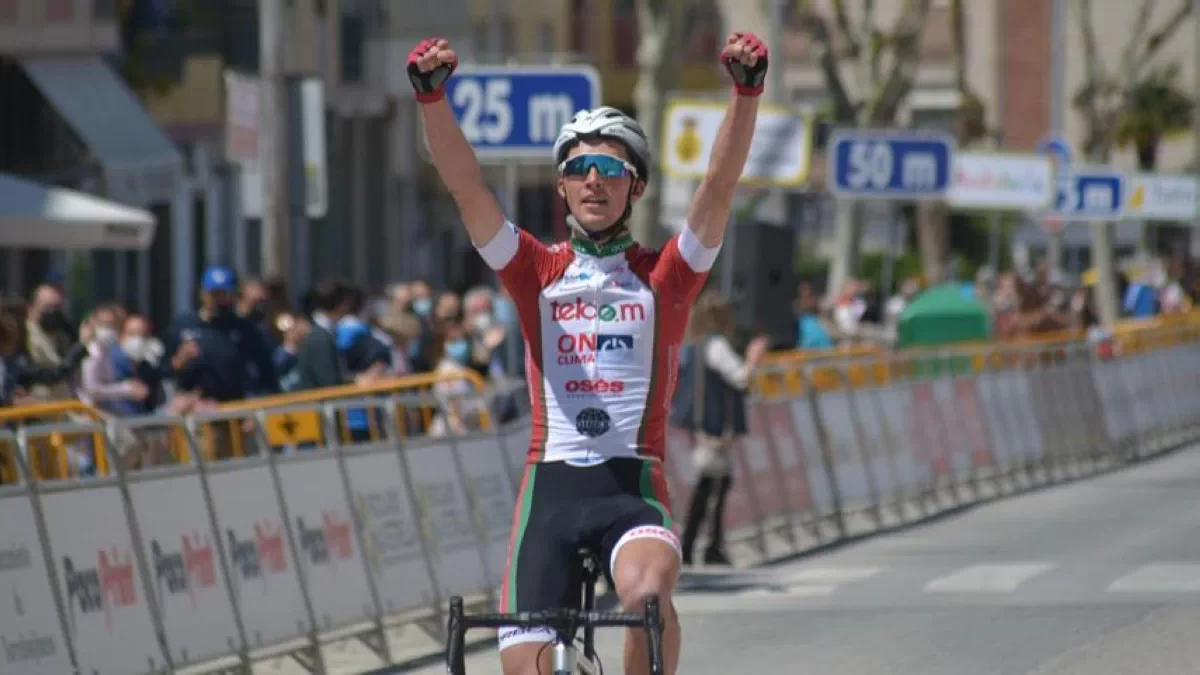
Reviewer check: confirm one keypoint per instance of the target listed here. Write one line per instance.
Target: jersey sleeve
(524, 264)
(683, 265)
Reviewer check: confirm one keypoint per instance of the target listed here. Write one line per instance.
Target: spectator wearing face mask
(460, 413)
(139, 357)
(101, 384)
(18, 372)
(49, 334)
(214, 352)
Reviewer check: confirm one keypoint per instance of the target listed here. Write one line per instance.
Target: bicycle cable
(599, 663)
(539, 657)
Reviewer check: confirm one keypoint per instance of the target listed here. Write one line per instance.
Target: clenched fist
(745, 57)
(430, 64)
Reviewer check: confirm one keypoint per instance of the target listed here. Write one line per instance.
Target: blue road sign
(872, 163)
(515, 112)
(1058, 148)
(1090, 194)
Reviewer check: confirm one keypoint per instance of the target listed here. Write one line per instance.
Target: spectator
(897, 304)
(512, 351)
(421, 298)
(366, 357)
(140, 357)
(811, 331)
(403, 329)
(293, 330)
(317, 360)
(717, 379)
(101, 384)
(19, 373)
(452, 352)
(49, 334)
(215, 353)
(848, 310)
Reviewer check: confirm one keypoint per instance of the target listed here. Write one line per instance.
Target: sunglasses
(606, 166)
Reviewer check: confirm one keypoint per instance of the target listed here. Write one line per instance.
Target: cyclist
(602, 319)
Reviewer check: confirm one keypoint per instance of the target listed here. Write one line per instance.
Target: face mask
(106, 336)
(459, 351)
(54, 320)
(134, 346)
(504, 310)
(481, 322)
(224, 312)
(258, 312)
(421, 306)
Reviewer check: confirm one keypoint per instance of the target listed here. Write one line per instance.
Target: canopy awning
(140, 165)
(40, 216)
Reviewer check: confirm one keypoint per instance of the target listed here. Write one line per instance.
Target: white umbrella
(40, 216)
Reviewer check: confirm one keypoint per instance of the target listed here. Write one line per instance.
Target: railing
(204, 560)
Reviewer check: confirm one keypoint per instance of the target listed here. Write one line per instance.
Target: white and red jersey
(602, 330)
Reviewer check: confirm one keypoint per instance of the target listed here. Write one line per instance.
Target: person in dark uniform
(214, 352)
(711, 403)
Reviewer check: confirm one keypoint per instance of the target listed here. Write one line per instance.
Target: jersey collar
(607, 249)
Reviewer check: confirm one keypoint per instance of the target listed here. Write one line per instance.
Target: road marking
(987, 578)
(823, 576)
(1160, 577)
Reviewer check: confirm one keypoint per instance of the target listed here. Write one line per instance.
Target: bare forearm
(711, 204)
(459, 169)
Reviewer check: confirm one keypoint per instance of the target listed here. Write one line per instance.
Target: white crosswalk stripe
(988, 578)
(1160, 578)
(830, 575)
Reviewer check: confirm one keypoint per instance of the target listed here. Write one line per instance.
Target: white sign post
(1161, 196)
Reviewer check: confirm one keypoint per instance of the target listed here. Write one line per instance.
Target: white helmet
(606, 122)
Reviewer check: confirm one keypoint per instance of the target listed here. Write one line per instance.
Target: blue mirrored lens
(605, 165)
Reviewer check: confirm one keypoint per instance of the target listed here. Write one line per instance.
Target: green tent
(944, 315)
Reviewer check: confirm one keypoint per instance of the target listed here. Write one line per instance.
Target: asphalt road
(1099, 576)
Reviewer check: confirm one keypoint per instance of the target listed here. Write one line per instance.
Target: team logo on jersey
(592, 422)
(582, 349)
(580, 309)
(589, 387)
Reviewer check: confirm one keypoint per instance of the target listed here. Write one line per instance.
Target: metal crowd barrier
(199, 562)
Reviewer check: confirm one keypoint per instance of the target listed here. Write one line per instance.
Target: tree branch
(1158, 38)
(815, 26)
(1128, 56)
(906, 55)
(1092, 67)
(847, 33)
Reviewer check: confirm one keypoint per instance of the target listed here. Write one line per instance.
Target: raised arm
(745, 57)
(429, 66)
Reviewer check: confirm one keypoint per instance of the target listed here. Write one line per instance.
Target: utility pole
(273, 126)
(1195, 233)
(1058, 48)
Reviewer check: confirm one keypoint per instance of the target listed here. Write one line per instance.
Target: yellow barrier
(297, 428)
(783, 373)
(49, 454)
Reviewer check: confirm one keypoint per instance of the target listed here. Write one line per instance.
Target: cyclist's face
(597, 201)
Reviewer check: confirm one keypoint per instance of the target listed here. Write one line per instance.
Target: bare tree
(1103, 99)
(883, 62)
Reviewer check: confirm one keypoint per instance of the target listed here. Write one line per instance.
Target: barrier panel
(199, 557)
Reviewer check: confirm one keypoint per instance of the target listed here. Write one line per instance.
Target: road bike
(566, 623)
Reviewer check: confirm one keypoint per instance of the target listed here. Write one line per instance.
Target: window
(624, 34)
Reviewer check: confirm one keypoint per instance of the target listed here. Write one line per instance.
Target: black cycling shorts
(563, 507)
